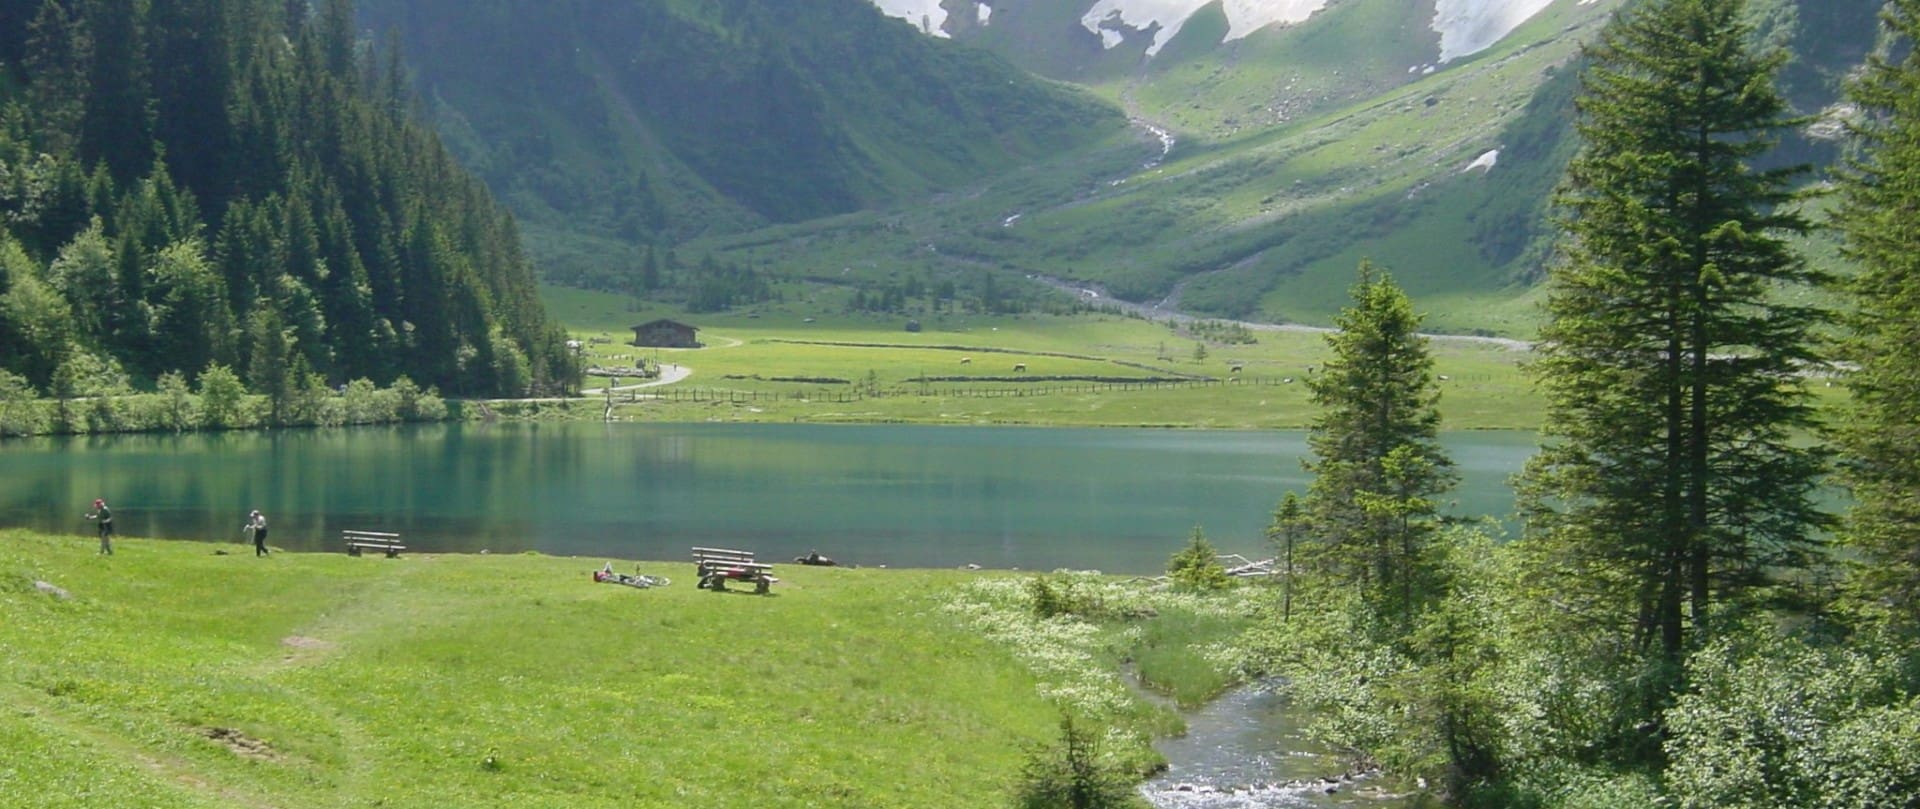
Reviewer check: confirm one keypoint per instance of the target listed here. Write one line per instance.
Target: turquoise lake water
(905, 496)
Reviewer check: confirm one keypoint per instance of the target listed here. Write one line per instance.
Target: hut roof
(664, 322)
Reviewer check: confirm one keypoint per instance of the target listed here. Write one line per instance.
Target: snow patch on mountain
(927, 15)
(1243, 16)
(1467, 27)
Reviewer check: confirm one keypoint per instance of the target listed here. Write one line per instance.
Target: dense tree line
(192, 183)
(914, 295)
(1673, 627)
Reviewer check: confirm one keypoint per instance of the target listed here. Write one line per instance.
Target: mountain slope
(1254, 218)
(660, 120)
(1306, 147)
(1216, 67)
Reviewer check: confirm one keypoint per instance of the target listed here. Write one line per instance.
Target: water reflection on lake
(915, 496)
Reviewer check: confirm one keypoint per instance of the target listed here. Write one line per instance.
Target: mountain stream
(1249, 750)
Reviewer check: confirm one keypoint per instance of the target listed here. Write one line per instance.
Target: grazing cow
(966, 360)
(1019, 366)
(1233, 369)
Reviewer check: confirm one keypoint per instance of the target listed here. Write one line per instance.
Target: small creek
(1249, 750)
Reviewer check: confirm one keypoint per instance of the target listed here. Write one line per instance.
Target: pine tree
(15, 17)
(1883, 425)
(1377, 459)
(270, 361)
(335, 28)
(1669, 482)
(191, 49)
(1285, 532)
(58, 51)
(649, 270)
(116, 125)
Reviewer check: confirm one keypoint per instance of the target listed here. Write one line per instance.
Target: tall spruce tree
(57, 54)
(1670, 482)
(1289, 523)
(1377, 459)
(116, 124)
(1883, 426)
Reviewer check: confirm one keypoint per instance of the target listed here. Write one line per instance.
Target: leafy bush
(1777, 721)
(19, 413)
(416, 404)
(222, 403)
(1057, 596)
(222, 398)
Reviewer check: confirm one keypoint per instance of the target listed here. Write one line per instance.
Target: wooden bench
(357, 541)
(717, 565)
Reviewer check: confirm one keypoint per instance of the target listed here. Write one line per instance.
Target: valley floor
(790, 362)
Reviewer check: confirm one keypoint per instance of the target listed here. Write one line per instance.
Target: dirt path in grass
(669, 374)
(168, 767)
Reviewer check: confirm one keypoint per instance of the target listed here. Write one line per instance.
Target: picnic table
(717, 566)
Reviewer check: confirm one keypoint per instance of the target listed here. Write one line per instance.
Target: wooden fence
(857, 393)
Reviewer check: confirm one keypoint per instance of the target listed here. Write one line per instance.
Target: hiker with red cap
(104, 517)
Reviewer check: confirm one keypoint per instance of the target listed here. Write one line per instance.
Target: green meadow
(192, 674)
(766, 364)
(177, 677)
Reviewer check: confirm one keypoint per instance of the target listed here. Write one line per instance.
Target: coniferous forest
(240, 186)
(1686, 620)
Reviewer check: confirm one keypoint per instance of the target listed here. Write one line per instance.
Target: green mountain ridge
(1304, 149)
(1267, 221)
(837, 144)
(660, 121)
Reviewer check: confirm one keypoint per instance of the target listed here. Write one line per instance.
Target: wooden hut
(665, 334)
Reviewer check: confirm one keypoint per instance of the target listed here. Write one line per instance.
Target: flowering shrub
(1054, 627)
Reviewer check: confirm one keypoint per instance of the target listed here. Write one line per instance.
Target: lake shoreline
(912, 496)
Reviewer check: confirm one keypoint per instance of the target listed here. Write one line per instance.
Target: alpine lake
(1114, 500)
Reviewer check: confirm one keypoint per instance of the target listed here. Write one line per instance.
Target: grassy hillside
(1300, 151)
(608, 125)
(1267, 222)
(845, 147)
(178, 676)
